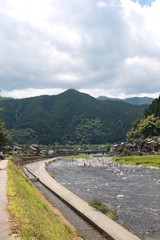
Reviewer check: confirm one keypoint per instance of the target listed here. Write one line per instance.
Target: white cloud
(108, 3)
(101, 4)
(144, 62)
(35, 12)
(24, 93)
(110, 46)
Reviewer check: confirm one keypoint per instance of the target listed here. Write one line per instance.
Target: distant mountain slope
(5, 98)
(70, 117)
(139, 100)
(104, 98)
(133, 100)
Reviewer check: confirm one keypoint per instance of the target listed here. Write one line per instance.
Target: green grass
(85, 156)
(35, 220)
(148, 160)
(103, 208)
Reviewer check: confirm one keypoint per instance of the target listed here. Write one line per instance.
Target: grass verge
(35, 220)
(148, 160)
(85, 156)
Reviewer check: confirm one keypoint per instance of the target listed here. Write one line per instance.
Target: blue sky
(144, 2)
(101, 47)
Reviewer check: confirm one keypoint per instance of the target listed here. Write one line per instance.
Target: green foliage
(85, 156)
(23, 135)
(148, 160)
(34, 218)
(147, 126)
(154, 108)
(68, 118)
(90, 131)
(3, 134)
(97, 204)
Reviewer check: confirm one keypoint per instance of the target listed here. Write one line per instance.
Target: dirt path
(5, 223)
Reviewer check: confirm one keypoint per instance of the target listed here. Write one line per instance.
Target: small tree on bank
(3, 134)
(148, 126)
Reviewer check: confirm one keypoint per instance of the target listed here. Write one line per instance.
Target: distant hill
(139, 100)
(70, 117)
(133, 100)
(104, 98)
(5, 98)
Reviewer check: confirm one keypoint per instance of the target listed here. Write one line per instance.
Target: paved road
(5, 223)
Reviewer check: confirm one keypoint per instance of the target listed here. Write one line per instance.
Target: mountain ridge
(70, 117)
(132, 100)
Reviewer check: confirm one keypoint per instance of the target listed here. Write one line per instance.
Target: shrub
(103, 208)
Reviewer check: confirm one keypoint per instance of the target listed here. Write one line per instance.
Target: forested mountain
(70, 117)
(133, 100)
(149, 125)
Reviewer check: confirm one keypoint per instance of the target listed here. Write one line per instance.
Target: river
(133, 191)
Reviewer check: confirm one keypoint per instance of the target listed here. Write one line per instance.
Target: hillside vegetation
(70, 117)
(132, 100)
(148, 126)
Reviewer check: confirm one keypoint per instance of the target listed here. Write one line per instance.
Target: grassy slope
(149, 160)
(83, 155)
(36, 221)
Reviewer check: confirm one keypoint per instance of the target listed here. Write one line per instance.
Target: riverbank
(35, 217)
(145, 160)
(132, 190)
(102, 222)
(102, 161)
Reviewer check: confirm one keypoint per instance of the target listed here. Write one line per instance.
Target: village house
(16, 149)
(146, 146)
(33, 149)
(3, 149)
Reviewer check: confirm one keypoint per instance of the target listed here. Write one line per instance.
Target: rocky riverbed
(133, 191)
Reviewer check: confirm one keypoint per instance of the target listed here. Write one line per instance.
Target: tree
(3, 134)
(154, 108)
(90, 131)
(148, 125)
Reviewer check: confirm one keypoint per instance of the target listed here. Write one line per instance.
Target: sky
(108, 47)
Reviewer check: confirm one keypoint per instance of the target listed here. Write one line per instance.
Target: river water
(133, 191)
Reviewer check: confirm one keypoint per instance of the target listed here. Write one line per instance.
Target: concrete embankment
(99, 220)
